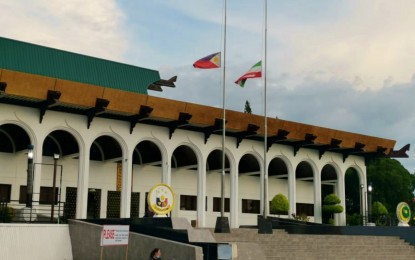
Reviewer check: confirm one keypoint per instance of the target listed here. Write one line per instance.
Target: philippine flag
(209, 62)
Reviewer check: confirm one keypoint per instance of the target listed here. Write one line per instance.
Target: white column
(317, 197)
(126, 185)
(340, 187)
(37, 172)
(234, 198)
(201, 194)
(292, 192)
(166, 165)
(83, 181)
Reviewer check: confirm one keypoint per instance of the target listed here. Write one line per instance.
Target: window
(217, 204)
(188, 202)
(22, 195)
(304, 208)
(250, 206)
(45, 197)
(5, 191)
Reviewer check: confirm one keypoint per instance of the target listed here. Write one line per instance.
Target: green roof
(45, 61)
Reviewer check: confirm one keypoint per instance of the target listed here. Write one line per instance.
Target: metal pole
(265, 120)
(60, 191)
(29, 187)
(369, 206)
(222, 208)
(55, 160)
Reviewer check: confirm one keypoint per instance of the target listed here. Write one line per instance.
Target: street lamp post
(55, 160)
(369, 206)
(29, 187)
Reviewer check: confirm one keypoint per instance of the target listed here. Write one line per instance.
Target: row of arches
(103, 179)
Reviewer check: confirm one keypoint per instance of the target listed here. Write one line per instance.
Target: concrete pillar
(127, 160)
(201, 193)
(83, 181)
(317, 198)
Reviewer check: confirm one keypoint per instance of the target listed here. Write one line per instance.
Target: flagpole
(222, 223)
(265, 119)
(222, 209)
(265, 226)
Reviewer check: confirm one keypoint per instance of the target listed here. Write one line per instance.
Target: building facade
(115, 143)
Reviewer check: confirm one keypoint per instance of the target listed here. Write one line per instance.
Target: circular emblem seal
(403, 212)
(161, 199)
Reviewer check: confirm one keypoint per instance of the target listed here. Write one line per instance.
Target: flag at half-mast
(209, 62)
(254, 72)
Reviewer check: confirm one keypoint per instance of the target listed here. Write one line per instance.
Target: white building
(115, 142)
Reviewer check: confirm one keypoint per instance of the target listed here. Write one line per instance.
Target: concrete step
(281, 245)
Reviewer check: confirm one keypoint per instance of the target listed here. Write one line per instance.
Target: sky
(345, 64)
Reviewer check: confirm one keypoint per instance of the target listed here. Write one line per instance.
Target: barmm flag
(254, 72)
(209, 62)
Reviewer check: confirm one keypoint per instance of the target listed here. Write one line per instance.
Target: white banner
(115, 235)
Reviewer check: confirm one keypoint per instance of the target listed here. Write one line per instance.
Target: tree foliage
(331, 204)
(391, 182)
(279, 204)
(247, 109)
(378, 209)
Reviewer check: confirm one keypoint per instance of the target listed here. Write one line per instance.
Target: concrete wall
(86, 237)
(35, 241)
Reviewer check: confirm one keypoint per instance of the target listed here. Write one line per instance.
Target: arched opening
(304, 179)
(147, 172)
(184, 178)
(277, 180)
(104, 198)
(249, 183)
(354, 197)
(328, 186)
(60, 151)
(14, 142)
(213, 185)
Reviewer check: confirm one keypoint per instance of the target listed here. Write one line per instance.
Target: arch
(185, 151)
(107, 153)
(278, 168)
(13, 138)
(354, 192)
(101, 147)
(157, 143)
(148, 160)
(278, 175)
(214, 161)
(328, 184)
(60, 141)
(27, 131)
(247, 165)
(305, 174)
(186, 161)
(250, 171)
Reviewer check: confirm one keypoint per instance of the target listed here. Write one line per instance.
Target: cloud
(89, 27)
(346, 65)
(368, 45)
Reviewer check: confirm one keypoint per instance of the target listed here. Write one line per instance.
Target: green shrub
(378, 209)
(331, 205)
(331, 209)
(6, 214)
(331, 199)
(279, 204)
(354, 220)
